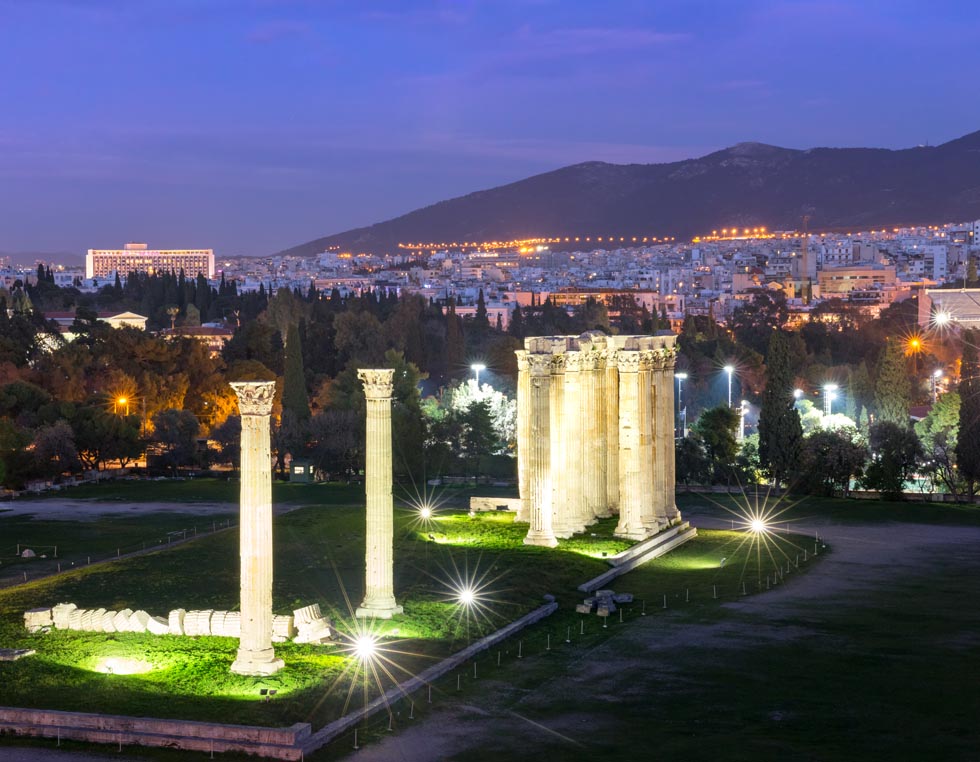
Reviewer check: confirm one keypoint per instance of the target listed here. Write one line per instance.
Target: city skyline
(279, 123)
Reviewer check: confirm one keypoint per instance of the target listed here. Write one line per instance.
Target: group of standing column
(595, 433)
(256, 655)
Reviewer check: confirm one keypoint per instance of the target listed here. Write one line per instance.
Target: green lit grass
(319, 558)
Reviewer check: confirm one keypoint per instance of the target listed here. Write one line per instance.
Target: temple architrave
(595, 434)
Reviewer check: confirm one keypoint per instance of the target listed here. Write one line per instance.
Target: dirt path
(637, 662)
(92, 510)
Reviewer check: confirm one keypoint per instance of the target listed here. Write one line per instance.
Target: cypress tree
(968, 439)
(455, 351)
(780, 430)
(481, 322)
(892, 389)
(294, 397)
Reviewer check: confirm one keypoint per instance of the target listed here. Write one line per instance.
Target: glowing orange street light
(119, 402)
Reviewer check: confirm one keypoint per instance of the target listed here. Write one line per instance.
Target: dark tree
(829, 460)
(968, 441)
(716, 429)
(780, 430)
(294, 397)
(895, 453)
(892, 388)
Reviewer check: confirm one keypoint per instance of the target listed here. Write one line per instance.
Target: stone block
(37, 619)
(198, 622)
(605, 593)
(603, 611)
(60, 614)
(75, 619)
(138, 620)
(95, 621)
(108, 622)
(175, 621)
(157, 625)
(121, 620)
(623, 598)
(314, 632)
(282, 627)
(583, 608)
(307, 614)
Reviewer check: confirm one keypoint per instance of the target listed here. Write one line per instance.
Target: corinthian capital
(254, 397)
(378, 383)
(539, 364)
(522, 361)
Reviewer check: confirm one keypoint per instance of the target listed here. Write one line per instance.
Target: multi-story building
(136, 257)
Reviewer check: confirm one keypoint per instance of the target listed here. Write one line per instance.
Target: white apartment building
(136, 257)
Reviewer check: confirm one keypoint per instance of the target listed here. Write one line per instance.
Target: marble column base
(541, 539)
(378, 611)
(634, 533)
(257, 663)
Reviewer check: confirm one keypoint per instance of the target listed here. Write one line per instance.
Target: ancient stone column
(593, 482)
(379, 587)
(523, 435)
(665, 446)
(651, 489)
(539, 451)
(631, 464)
(612, 428)
(559, 487)
(255, 653)
(600, 497)
(572, 519)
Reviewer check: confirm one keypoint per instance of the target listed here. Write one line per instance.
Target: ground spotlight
(757, 525)
(365, 646)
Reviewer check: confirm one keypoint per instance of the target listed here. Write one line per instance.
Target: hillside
(747, 185)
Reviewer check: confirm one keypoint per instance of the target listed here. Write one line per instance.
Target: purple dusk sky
(252, 125)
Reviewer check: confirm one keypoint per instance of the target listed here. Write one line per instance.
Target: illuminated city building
(136, 257)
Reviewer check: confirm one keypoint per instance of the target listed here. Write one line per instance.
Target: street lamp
(743, 408)
(828, 397)
(476, 368)
(681, 377)
(119, 401)
(729, 369)
(936, 375)
(797, 394)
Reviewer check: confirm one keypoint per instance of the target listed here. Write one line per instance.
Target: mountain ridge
(748, 184)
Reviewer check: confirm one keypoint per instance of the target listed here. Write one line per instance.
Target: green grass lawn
(319, 558)
(792, 509)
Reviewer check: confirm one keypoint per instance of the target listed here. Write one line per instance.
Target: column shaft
(256, 655)
(523, 435)
(649, 471)
(539, 451)
(379, 588)
(631, 464)
(612, 429)
(572, 519)
(667, 432)
(600, 498)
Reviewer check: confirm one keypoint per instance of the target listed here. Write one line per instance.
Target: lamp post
(682, 411)
(828, 397)
(729, 369)
(119, 401)
(743, 408)
(936, 375)
(476, 368)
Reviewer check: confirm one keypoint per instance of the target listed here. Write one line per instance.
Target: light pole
(121, 401)
(729, 369)
(743, 408)
(936, 375)
(828, 397)
(682, 411)
(476, 368)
